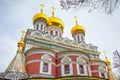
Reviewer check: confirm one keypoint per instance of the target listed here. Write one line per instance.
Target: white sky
(101, 30)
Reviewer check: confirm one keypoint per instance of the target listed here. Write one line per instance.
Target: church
(44, 54)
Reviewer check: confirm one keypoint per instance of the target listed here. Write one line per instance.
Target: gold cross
(42, 5)
(76, 18)
(23, 32)
(105, 54)
(53, 8)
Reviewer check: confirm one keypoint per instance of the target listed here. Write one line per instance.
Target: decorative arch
(74, 43)
(66, 41)
(66, 59)
(102, 72)
(81, 66)
(37, 34)
(66, 66)
(58, 39)
(48, 36)
(83, 45)
(45, 64)
(46, 57)
(81, 60)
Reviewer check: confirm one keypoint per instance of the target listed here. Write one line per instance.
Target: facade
(45, 54)
(50, 56)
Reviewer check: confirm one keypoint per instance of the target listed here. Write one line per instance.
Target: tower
(40, 21)
(55, 25)
(78, 32)
(111, 75)
(16, 69)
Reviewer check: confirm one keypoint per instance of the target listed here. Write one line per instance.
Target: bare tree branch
(106, 6)
(116, 61)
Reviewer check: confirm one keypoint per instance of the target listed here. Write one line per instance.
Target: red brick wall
(32, 57)
(94, 67)
(53, 70)
(58, 69)
(74, 69)
(33, 68)
(95, 74)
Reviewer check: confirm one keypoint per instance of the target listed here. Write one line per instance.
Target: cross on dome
(22, 36)
(76, 18)
(53, 9)
(42, 6)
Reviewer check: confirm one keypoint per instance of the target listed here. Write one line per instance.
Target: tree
(116, 61)
(106, 6)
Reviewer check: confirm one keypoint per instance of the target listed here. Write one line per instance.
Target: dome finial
(53, 8)
(21, 43)
(107, 60)
(22, 36)
(76, 18)
(42, 5)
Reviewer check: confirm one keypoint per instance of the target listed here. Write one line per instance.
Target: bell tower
(40, 20)
(78, 32)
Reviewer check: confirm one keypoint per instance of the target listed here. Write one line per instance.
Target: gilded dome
(56, 21)
(77, 28)
(40, 16)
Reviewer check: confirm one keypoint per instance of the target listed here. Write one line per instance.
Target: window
(41, 27)
(102, 75)
(82, 38)
(81, 70)
(51, 32)
(60, 34)
(78, 38)
(37, 27)
(56, 33)
(45, 67)
(67, 69)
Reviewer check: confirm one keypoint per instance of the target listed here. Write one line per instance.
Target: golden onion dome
(40, 15)
(77, 28)
(55, 20)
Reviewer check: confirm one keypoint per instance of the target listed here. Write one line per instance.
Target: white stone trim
(40, 51)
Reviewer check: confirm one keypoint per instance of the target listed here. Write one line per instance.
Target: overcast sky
(15, 15)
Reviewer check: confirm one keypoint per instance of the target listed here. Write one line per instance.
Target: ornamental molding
(39, 51)
(88, 47)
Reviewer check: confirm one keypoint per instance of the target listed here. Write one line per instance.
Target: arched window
(41, 27)
(78, 38)
(37, 27)
(60, 34)
(81, 66)
(56, 33)
(82, 38)
(51, 32)
(66, 66)
(45, 65)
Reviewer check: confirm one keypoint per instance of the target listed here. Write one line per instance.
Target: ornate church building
(44, 54)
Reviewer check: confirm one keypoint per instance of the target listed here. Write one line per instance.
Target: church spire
(21, 43)
(111, 75)
(17, 65)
